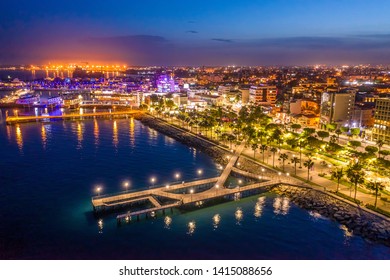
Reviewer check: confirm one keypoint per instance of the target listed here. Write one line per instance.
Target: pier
(161, 198)
(21, 119)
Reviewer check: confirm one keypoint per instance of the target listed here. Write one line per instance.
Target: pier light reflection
(239, 215)
(19, 137)
(259, 207)
(80, 135)
(191, 228)
(216, 220)
(167, 222)
(8, 132)
(131, 132)
(96, 132)
(115, 139)
(100, 226)
(281, 205)
(43, 137)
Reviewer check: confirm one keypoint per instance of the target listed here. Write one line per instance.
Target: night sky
(245, 32)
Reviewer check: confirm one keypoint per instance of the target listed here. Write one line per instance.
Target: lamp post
(191, 192)
(153, 179)
(126, 185)
(98, 189)
(177, 176)
(216, 189)
(200, 172)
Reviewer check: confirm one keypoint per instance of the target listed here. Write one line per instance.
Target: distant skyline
(274, 32)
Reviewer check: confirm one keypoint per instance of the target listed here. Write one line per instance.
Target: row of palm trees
(356, 175)
(251, 123)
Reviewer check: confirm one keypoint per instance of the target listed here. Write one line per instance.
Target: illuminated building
(337, 107)
(263, 95)
(381, 130)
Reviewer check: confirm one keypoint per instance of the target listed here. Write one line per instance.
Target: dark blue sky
(262, 32)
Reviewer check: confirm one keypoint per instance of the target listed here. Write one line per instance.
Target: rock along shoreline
(357, 220)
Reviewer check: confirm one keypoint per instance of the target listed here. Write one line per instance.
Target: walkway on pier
(18, 119)
(226, 172)
(107, 201)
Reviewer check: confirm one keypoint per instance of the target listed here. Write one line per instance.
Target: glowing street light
(153, 180)
(177, 176)
(98, 189)
(126, 185)
(216, 189)
(200, 171)
(191, 192)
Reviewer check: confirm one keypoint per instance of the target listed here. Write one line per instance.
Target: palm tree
(355, 175)
(337, 174)
(283, 157)
(301, 143)
(255, 146)
(338, 132)
(295, 160)
(263, 148)
(376, 186)
(308, 164)
(273, 150)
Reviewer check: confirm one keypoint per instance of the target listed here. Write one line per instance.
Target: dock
(20, 119)
(178, 194)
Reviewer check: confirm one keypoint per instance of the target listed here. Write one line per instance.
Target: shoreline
(357, 220)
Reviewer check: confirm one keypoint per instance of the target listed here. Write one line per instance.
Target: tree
(371, 149)
(355, 131)
(255, 146)
(273, 150)
(308, 164)
(356, 175)
(380, 143)
(384, 153)
(263, 148)
(375, 186)
(354, 144)
(344, 129)
(331, 126)
(322, 134)
(308, 131)
(283, 157)
(295, 160)
(333, 139)
(337, 174)
(295, 126)
(338, 132)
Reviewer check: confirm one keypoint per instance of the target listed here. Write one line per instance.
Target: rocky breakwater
(357, 220)
(183, 136)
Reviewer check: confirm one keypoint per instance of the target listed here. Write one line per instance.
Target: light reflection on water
(43, 137)
(167, 222)
(191, 228)
(96, 132)
(115, 139)
(19, 138)
(216, 221)
(239, 215)
(131, 132)
(259, 207)
(281, 205)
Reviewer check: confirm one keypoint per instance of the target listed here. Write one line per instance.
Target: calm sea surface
(48, 173)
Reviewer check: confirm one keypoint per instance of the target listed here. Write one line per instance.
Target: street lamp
(153, 179)
(177, 176)
(191, 192)
(126, 185)
(200, 172)
(98, 189)
(216, 189)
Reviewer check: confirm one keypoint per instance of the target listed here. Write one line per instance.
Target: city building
(381, 129)
(263, 95)
(338, 107)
